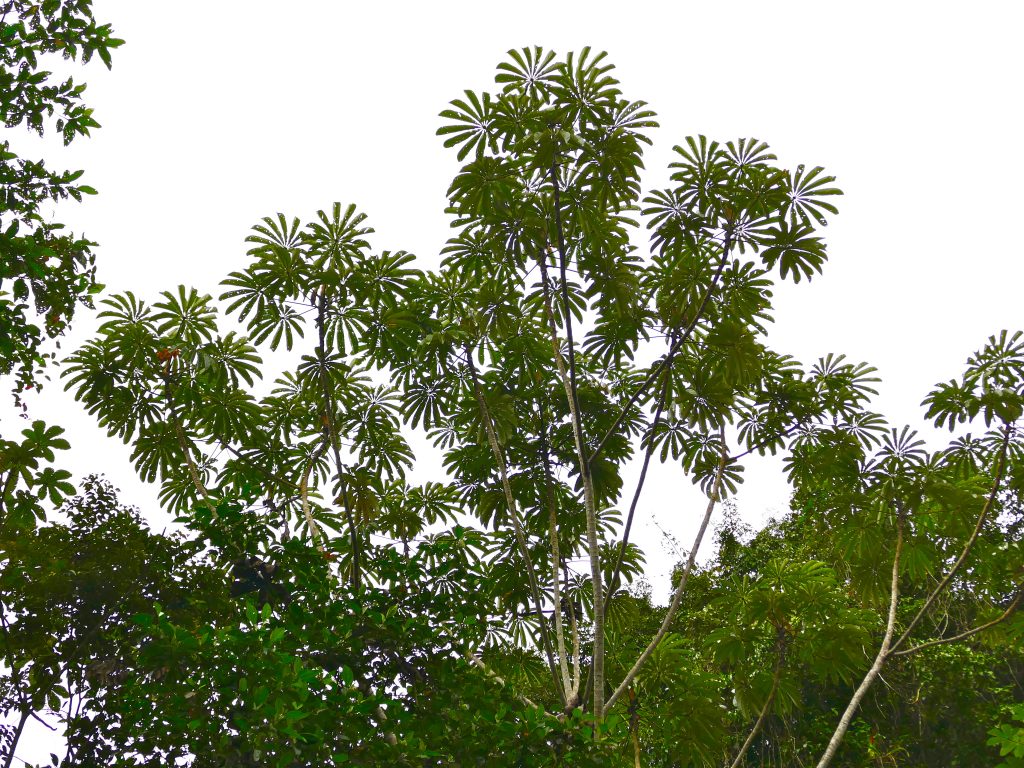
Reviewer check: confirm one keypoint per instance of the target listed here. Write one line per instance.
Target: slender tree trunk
(332, 438)
(656, 369)
(314, 530)
(613, 582)
(589, 503)
(193, 470)
(556, 576)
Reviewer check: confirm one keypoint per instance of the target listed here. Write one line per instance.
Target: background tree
(45, 273)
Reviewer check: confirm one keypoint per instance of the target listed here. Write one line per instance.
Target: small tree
(525, 360)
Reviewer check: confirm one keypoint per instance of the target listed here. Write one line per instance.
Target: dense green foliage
(44, 272)
(321, 607)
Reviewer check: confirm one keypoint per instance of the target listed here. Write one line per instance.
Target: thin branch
(880, 659)
(970, 632)
(16, 738)
(517, 524)
(613, 583)
(314, 529)
(758, 446)
(678, 595)
(656, 369)
(193, 470)
(9, 484)
(575, 629)
(45, 724)
(564, 286)
(332, 436)
(982, 516)
(776, 677)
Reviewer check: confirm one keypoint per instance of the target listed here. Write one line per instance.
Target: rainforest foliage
(318, 606)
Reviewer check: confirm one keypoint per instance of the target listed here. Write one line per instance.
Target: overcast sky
(218, 113)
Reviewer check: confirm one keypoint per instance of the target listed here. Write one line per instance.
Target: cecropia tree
(546, 353)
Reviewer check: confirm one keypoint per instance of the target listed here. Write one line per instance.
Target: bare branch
(556, 561)
(673, 607)
(613, 582)
(314, 529)
(970, 632)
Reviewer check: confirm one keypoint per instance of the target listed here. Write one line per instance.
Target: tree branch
(678, 595)
(964, 635)
(556, 577)
(880, 659)
(314, 529)
(331, 435)
(655, 370)
(613, 583)
(982, 516)
(193, 470)
(590, 506)
(562, 267)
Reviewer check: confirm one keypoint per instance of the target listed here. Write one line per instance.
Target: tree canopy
(319, 607)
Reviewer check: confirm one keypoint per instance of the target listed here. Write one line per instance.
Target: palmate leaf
(808, 193)
(41, 440)
(843, 387)
(484, 188)
(125, 310)
(471, 126)
(794, 248)
(336, 241)
(703, 172)
(900, 452)
(748, 152)
(277, 321)
(274, 234)
(248, 293)
(472, 253)
(385, 278)
(633, 116)
(156, 451)
(1000, 364)
(425, 401)
(229, 415)
(583, 87)
(186, 316)
(530, 72)
(227, 359)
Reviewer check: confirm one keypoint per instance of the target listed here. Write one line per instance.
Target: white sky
(216, 114)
